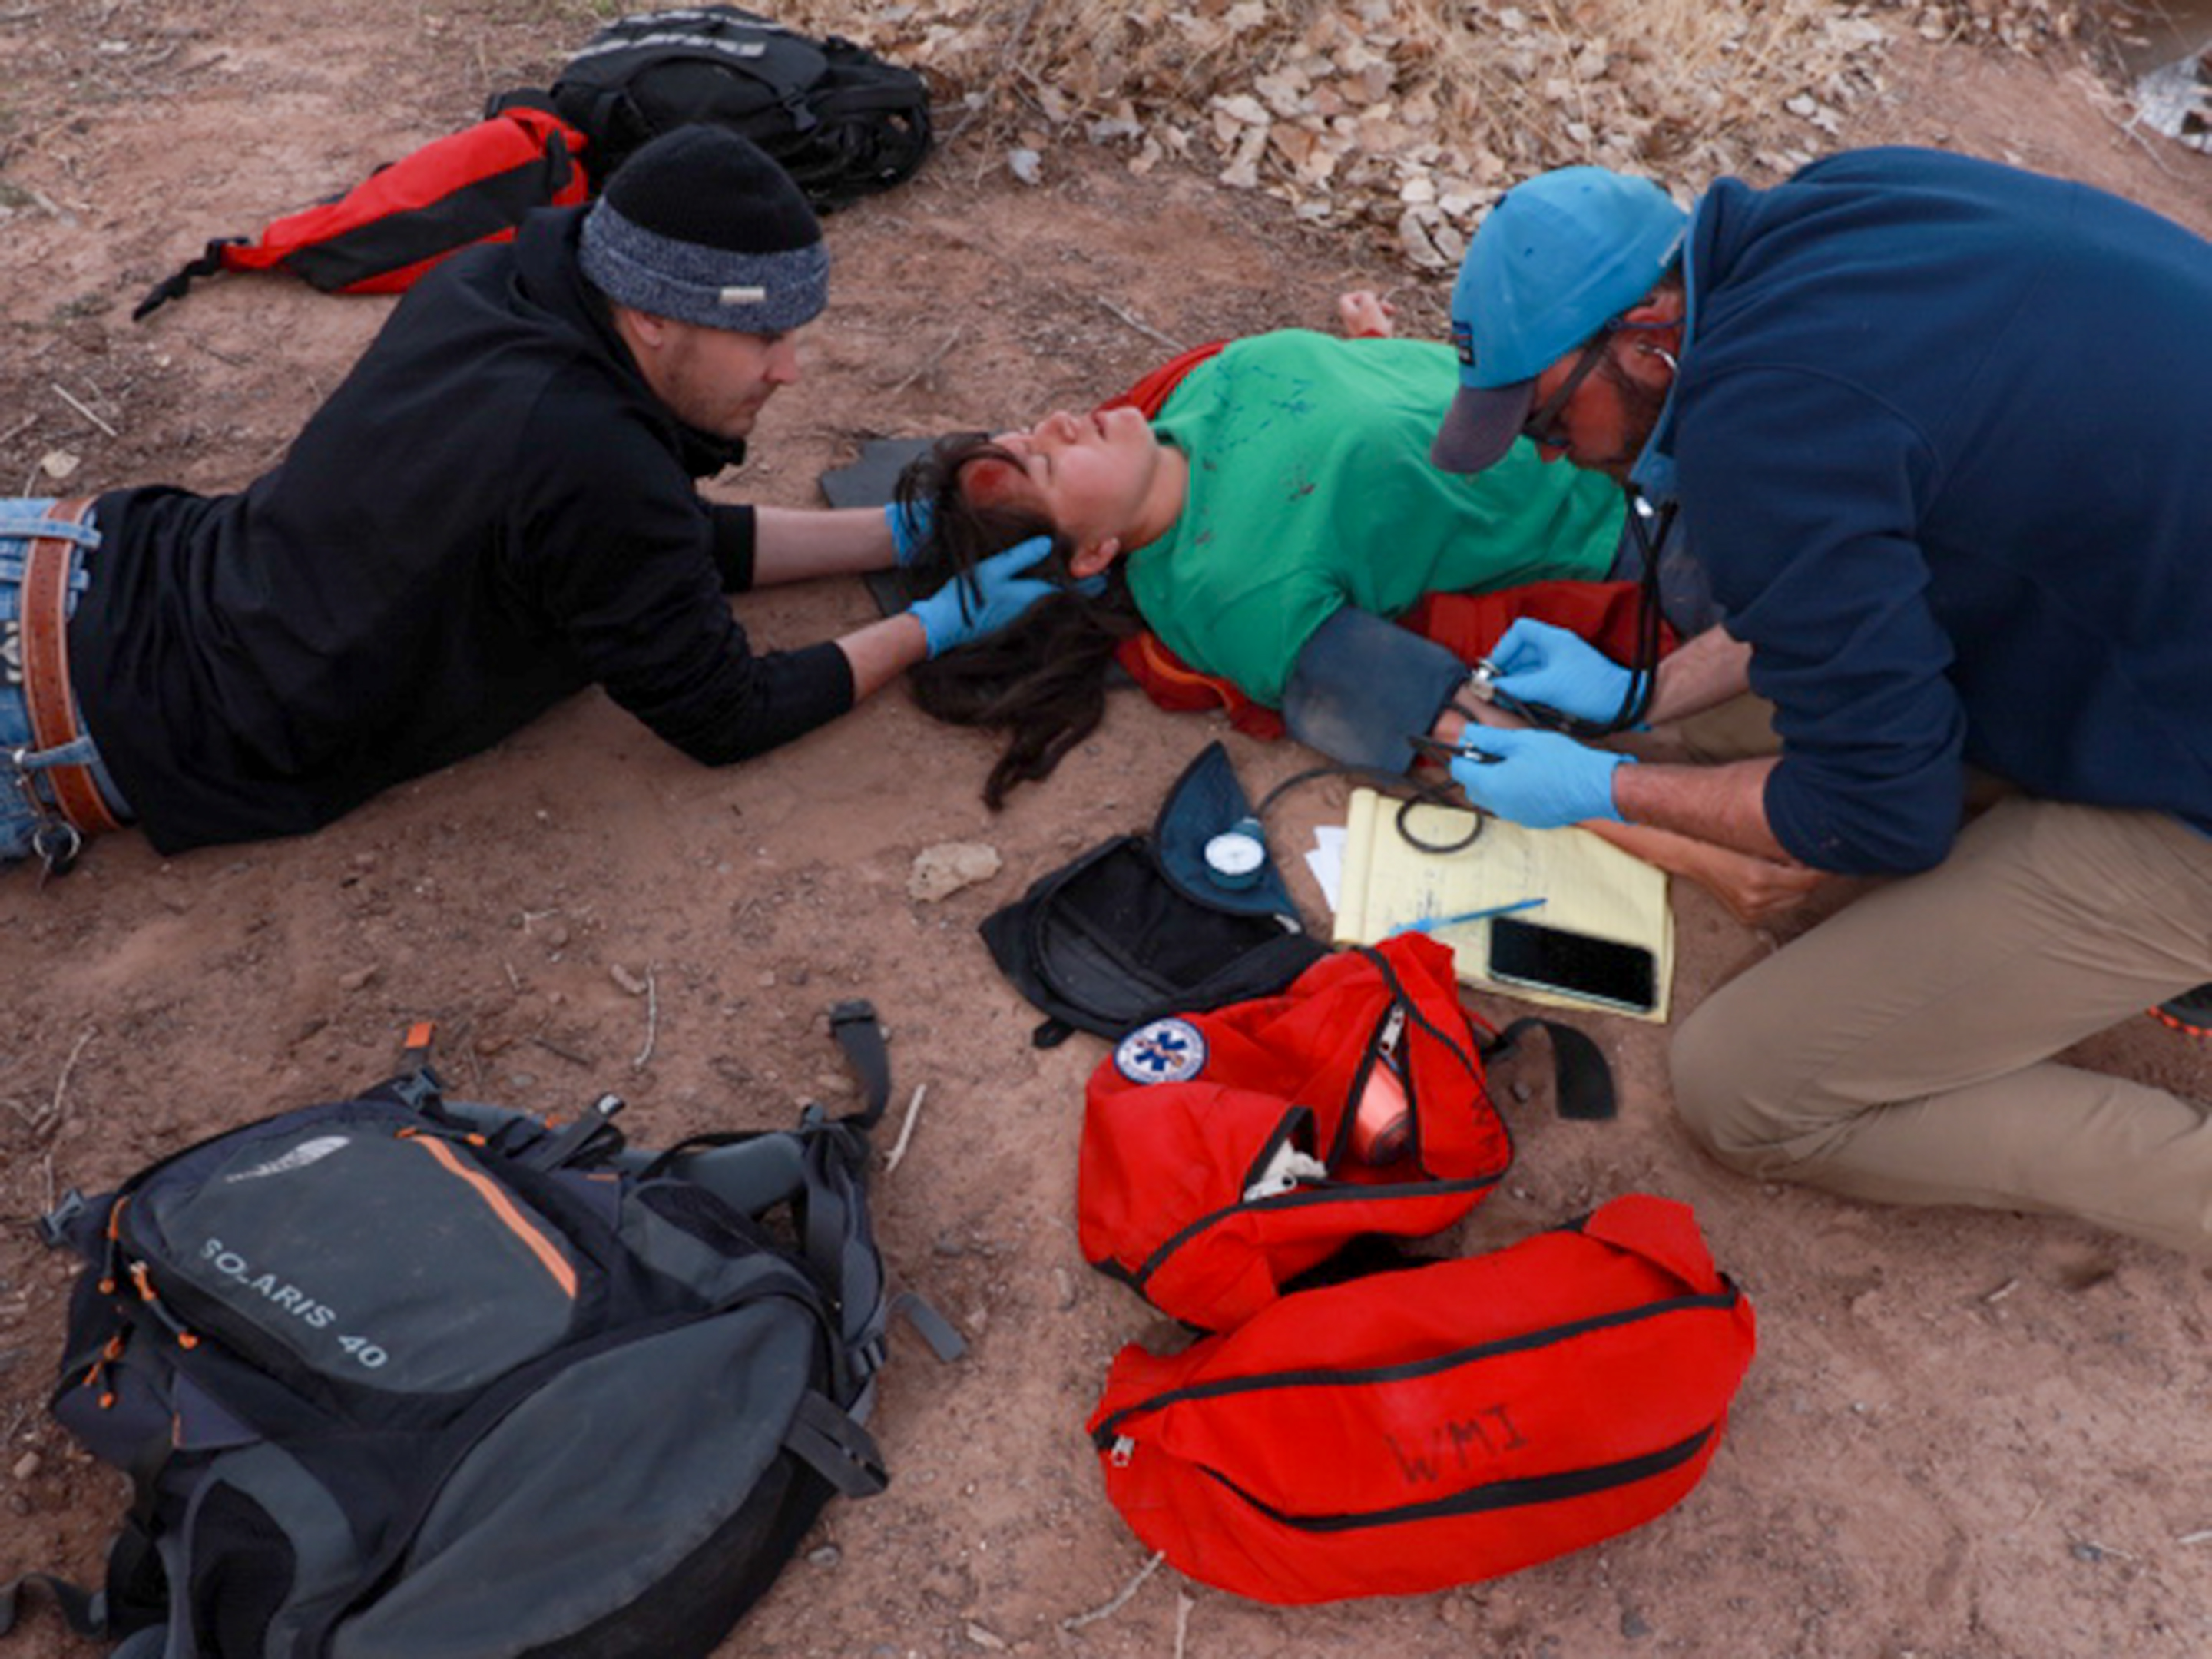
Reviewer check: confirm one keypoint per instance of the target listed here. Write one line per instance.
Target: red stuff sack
(474, 185)
(1223, 1152)
(1407, 1431)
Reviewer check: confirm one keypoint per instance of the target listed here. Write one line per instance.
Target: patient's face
(1090, 474)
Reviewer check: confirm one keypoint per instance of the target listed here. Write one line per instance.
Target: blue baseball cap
(1559, 257)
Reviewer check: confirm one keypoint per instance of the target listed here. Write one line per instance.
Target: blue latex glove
(1539, 663)
(995, 593)
(1541, 779)
(910, 528)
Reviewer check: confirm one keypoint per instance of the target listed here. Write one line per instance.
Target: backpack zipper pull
(109, 1354)
(143, 1280)
(1124, 1447)
(111, 1250)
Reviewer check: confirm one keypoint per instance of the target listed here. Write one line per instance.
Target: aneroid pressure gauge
(1235, 857)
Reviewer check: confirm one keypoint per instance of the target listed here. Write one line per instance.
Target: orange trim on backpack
(502, 1206)
(2175, 1022)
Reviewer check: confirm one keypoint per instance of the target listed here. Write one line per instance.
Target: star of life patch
(1165, 1051)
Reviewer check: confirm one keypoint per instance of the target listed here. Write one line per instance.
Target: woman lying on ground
(1270, 519)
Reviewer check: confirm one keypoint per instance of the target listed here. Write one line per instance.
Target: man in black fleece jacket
(496, 508)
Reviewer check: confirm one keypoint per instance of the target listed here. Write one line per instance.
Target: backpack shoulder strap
(853, 1023)
(1582, 1081)
(86, 1611)
(836, 1444)
(836, 1234)
(216, 257)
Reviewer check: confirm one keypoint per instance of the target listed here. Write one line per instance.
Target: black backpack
(841, 121)
(401, 1378)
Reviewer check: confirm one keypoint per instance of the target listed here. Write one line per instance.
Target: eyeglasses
(1541, 429)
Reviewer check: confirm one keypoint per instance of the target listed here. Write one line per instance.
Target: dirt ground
(1965, 1435)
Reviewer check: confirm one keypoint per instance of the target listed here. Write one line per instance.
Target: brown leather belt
(44, 627)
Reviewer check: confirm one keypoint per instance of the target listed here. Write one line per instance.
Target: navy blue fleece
(1942, 434)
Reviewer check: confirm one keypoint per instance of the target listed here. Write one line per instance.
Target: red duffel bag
(1407, 1431)
(1224, 1153)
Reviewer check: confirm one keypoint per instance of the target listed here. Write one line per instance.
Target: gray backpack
(401, 1378)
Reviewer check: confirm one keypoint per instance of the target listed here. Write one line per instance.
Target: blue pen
(1430, 925)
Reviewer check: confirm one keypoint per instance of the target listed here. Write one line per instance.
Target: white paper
(1326, 860)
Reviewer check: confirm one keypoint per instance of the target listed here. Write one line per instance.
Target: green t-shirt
(1311, 489)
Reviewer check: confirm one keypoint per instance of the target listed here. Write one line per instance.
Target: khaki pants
(1900, 1051)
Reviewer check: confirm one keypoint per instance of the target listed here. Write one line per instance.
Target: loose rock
(943, 870)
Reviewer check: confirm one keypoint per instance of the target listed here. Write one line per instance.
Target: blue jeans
(21, 520)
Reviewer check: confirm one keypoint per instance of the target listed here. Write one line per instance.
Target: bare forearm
(1756, 891)
(881, 651)
(1725, 804)
(1701, 674)
(793, 544)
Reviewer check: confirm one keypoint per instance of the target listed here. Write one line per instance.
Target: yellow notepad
(1587, 886)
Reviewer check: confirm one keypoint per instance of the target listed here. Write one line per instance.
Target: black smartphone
(1601, 970)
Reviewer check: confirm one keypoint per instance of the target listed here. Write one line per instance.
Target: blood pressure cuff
(1361, 686)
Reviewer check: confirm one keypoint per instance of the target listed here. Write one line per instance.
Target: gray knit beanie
(702, 225)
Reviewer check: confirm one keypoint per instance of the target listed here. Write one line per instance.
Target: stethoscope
(1236, 857)
(1644, 668)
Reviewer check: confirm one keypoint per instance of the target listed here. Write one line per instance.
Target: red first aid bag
(1224, 1153)
(474, 185)
(1407, 1432)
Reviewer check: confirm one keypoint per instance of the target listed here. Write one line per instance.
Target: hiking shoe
(2190, 1013)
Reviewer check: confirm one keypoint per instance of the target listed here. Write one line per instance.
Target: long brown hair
(1042, 681)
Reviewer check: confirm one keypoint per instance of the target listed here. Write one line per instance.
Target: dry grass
(1412, 115)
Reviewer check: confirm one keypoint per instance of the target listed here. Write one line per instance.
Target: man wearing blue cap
(1936, 430)
(497, 508)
